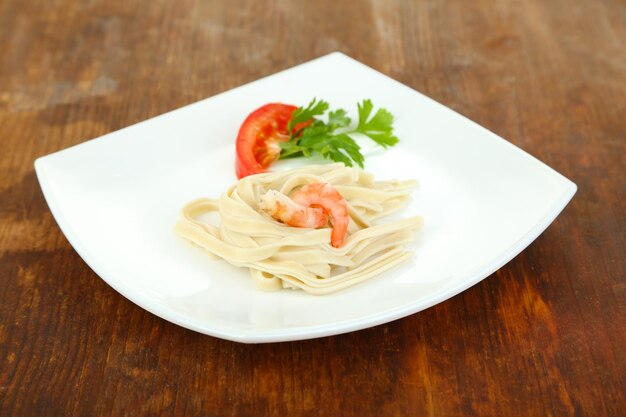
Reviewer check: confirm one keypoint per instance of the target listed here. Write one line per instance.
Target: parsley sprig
(333, 138)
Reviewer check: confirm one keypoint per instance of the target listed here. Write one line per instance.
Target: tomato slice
(258, 141)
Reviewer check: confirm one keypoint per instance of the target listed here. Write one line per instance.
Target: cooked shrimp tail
(326, 197)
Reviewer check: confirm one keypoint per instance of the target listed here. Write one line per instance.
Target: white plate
(117, 198)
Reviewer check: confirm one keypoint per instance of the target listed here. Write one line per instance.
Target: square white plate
(117, 199)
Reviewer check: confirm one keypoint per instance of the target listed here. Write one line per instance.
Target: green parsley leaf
(378, 128)
(333, 139)
(314, 133)
(344, 143)
(291, 150)
(337, 119)
(304, 114)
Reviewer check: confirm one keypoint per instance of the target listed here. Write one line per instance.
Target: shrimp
(332, 202)
(311, 206)
(282, 208)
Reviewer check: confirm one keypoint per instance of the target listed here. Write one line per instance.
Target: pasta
(280, 256)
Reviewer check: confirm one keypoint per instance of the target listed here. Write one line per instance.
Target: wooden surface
(545, 335)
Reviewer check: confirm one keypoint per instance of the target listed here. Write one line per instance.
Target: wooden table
(545, 335)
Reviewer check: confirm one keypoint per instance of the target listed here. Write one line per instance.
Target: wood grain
(545, 335)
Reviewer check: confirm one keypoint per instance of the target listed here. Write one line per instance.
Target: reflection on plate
(117, 198)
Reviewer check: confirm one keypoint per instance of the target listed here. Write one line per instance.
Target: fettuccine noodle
(280, 256)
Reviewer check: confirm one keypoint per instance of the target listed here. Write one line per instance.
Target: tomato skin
(258, 141)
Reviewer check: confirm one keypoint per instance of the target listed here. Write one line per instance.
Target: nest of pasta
(281, 256)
